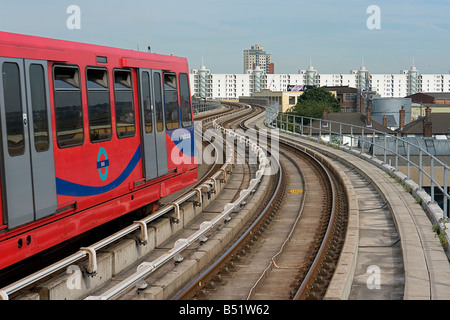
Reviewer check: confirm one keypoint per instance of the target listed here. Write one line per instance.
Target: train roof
(41, 48)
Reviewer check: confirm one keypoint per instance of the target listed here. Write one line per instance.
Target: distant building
(432, 125)
(439, 102)
(271, 68)
(284, 99)
(257, 57)
(431, 97)
(347, 97)
(258, 77)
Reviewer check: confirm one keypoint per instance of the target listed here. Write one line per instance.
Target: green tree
(312, 102)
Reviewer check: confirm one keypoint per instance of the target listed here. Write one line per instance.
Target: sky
(335, 35)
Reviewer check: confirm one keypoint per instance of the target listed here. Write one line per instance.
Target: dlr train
(88, 134)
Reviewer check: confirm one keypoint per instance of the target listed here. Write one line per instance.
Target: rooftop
(351, 118)
(440, 125)
(429, 97)
(341, 89)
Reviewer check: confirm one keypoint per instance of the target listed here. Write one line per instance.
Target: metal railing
(199, 106)
(399, 152)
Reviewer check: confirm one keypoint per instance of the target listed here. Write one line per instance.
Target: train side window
(158, 102)
(68, 107)
(171, 101)
(186, 116)
(39, 108)
(147, 103)
(99, 106)
(13, 108)
(123, 96)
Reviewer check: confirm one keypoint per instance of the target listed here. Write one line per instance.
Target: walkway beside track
(425, 263)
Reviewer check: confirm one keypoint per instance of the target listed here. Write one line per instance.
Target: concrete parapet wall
(73, 284)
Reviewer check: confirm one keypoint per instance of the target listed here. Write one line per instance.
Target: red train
(88, 134)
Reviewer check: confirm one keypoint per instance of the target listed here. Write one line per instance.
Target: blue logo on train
(102, 164)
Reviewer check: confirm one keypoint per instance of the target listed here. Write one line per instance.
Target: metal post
(445, 193)
(385, 149)
(320, 129)
(329, 125)
(301, 128)
(396, 153)
(409, 160)
(420, 168)
(373, 145)
(432, 179)
(362, 140)
(351, 137)
(295, 131)
(310, 126)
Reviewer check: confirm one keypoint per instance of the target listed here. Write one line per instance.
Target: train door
(152, 124)
(27, 162)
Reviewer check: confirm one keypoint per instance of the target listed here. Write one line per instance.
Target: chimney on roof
(325, 116)
(325, 113)
(369, 116)
(427, 124)
(402, 118)
(428, 114)
(362, 104)
(385, 121)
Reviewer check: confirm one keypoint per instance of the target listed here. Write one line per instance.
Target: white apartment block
(205, 84)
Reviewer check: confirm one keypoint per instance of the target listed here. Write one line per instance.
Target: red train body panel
(88, 134)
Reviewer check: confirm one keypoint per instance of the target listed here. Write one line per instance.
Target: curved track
(293, 244)
(288, 240)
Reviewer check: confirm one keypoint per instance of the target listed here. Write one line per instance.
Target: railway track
(291, 249)
(321, 251)
(23, 287)
(288, 238)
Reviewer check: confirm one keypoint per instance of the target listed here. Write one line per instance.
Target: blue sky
(333, 33)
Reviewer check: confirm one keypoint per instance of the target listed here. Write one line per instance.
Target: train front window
(186, 116)
(123, 96)
(68, 107)
(171, 101)
(99, 107)
(13, 108)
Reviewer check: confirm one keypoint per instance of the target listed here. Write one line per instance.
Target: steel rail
(314, 269)
(202, 279)
(289, 236)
